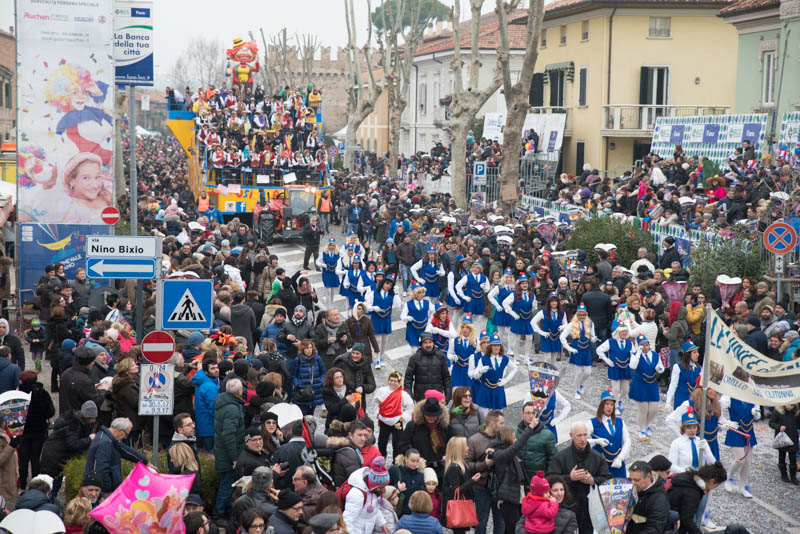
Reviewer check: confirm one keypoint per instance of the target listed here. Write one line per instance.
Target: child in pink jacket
(539, 507)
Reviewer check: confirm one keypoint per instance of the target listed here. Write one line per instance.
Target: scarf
(342, 391)
(437, 443)
(296, 321)
(332, 329)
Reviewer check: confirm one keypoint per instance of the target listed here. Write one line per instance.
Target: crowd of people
(483, 299)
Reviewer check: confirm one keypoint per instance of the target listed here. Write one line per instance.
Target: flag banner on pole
(741, 372)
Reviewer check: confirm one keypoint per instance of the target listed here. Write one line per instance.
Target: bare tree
(360, 100)
(263, 75)
(201, 63)
(466, 100)
(516, 96)
(398, 45)
(308, 45)
(280, 56)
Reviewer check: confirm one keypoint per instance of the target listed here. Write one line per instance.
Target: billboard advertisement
(713, 136)
(65, 127)
(549, 127)
(133, 42)
(48, 244)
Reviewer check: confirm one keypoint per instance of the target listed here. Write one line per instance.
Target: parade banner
(616, 496)
(548, 126)
(737, 370)
(133, 43)
(544, 378)
(48, 244)
(789, 138)
(713, 136)
(14, 411)
(65, 78)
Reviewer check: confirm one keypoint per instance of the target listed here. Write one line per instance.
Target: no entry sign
(110, 215)
(158, 347)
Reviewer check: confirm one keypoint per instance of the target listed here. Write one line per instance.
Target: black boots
(782, 469)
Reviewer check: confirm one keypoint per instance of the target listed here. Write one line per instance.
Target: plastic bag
(782, 440)
(597, 513)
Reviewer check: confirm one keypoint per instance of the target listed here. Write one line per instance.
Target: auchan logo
(36, 16)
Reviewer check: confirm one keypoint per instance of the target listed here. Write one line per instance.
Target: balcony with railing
(551, 110)
(638, 120)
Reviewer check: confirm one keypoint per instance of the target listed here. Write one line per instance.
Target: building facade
(768, 60)
(614, 67)
(8, 75)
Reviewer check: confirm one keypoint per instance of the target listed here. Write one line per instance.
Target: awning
(564, 65)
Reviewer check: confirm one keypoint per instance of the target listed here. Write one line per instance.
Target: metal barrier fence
(260, 176)
(535, 174)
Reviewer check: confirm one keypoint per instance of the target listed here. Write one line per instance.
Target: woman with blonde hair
(581, 331)
(76, 515)
(456, 476)
(182, 461)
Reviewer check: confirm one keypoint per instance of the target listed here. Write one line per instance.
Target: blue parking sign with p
(184, 304)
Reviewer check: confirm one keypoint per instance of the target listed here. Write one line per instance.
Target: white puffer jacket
(360, 516)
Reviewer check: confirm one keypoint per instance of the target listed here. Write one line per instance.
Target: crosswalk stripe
(563, 427)
(399, 352)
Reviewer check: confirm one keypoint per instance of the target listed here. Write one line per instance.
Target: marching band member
(493, 371)
(427, 271)
(456, 273)
(344, 265)
(557, 402)
(616, 353)
(609, 436)
(714, 417)
(497, 296)
(461, 354)
(328, 262)
(683, 376)
(416, 313)
(519, 305)
(744, 414)
(689, 450)
(369, 278)
(644, 388)
(471, 289)
(350, 283)
(442, 328)
(352, 240)
(380, 304)
(549, 323)
(581, 331)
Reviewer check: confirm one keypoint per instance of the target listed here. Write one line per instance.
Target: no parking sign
(156, 386)
(333, 151)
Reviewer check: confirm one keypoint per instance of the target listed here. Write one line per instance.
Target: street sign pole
(778, 275)
(134, 202)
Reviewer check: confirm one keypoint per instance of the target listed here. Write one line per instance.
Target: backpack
(343, 490)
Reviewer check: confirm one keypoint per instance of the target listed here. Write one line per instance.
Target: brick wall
(7, 76)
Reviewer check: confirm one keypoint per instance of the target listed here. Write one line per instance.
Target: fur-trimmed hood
(444, 419)
(337, 442)
(398, 461)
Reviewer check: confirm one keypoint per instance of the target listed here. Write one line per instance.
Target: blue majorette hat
(689, 418)
(522, 278)
(607, 395)
(581, 307)
(484, 335)
(438, 306)
(331, 239)
(495, 339)
(389, 278)
(351, 233)
(467, 319)
(431, 250)
(508, 271)
(642, 339)
(380, 271)
(416, 285)
(477, 262)
(460, 257)
(689, 346)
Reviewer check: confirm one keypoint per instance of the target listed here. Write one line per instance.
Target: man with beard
(294, 331)
(427, 369)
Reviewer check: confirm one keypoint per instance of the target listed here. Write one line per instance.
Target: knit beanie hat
(195, 338)
(225, 366)
(347, 414)
(539, 486)
(377, 475)
(288, 498)
(429, 475)
(265, 389)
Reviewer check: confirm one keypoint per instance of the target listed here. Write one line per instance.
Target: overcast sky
(176, 21)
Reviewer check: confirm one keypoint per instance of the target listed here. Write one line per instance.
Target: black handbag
(306, 393)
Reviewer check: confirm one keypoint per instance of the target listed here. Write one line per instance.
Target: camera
(490, 455)
(284, 466)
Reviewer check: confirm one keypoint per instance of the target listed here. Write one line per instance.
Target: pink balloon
(145, 503)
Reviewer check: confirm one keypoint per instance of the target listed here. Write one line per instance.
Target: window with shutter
(585, 30)
(544, 38)
(536, 97)
(659, 27)
(768, 78)
(582, 73)
(556, 88)
(563, 40)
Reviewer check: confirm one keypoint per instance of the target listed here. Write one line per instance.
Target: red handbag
(461, 512)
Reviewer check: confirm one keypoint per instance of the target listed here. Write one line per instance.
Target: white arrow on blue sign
(121, 268)
(184, 304)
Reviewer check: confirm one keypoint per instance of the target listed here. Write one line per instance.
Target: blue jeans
(222, 508)
(406, 271)
(674, 357)
(206, 443)
(701, 508)
(324, 221)
(484, 505)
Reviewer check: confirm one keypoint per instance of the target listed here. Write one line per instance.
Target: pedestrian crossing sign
(184, 304)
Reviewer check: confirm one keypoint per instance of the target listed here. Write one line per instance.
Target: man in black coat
(582, 467)
(311, 235)
(670, 254)
(72, 434)
(600, 311)
(651, 511)
(755, 337)
(427, 369)
(77, 386)
(13, 343)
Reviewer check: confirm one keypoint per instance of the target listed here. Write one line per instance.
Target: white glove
(409, 319)
(756, 411)
(594, 339)
(700, 443)
(451, 356)
(571, 350)
(514, 315)
(608, 361)
(603, 442)
(541, 332)
(501, 383)
(617, 463)
(731, 425)
(456, 300)
(467, 299)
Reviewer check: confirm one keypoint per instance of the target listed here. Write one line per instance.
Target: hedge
(73, 472)
(627, 238)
